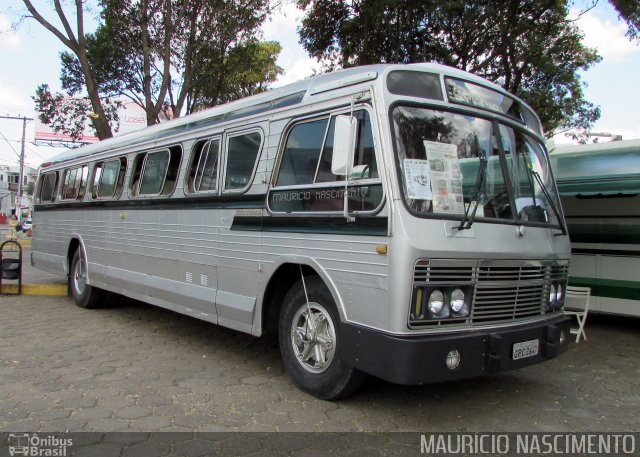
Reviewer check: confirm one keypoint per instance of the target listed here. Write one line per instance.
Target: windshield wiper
(548, 197)
(467, 219)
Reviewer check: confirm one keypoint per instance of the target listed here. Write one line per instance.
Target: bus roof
(289, 95)
(598, 169)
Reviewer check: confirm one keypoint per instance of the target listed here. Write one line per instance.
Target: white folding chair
(576, 303)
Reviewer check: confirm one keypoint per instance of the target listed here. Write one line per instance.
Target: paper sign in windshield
(416, 174)
(445, 177)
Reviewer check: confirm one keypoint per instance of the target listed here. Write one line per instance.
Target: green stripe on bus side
(617, 233)
(367, 226)
(612, 288)
(244, 201)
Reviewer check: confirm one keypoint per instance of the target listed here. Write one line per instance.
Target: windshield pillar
(505, 168)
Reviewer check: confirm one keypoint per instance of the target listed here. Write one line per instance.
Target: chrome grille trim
(504, 290)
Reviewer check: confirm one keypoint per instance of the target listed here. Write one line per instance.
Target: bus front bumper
(414, 360)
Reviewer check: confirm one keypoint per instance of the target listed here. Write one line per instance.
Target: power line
(10, 145)
(33, 151)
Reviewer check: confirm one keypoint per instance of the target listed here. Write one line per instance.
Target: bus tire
(85, 296)
(310, 347)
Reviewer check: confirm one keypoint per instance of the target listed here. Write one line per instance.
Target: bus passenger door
(239, 247)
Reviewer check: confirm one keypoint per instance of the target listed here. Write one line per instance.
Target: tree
(75, 41)
(247, 69)
(629, 11)
(529, 48)
(68, 115)
(154, 52)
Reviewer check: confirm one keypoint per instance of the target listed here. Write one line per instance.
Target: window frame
(163, 173)
(285, 138)
(119, 183)
(54, 193)
(340, 184)
(81, 189)
(225, 153)
(504, 120)
(190, 188)
(134, 187)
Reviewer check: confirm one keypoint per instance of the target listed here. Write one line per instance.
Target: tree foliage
(247, 69)
(177, 53)
(68, 115)
(529, 48)
(629, 11)
(74, 39)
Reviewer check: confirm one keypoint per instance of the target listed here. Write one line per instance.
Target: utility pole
(20, 190)
(24, 120)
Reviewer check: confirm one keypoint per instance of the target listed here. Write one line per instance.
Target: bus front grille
(502, 291)
(496, 304)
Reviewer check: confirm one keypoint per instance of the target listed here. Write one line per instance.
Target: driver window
(364, 161)
(306, 163)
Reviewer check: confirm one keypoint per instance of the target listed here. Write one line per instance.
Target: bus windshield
(451, 165)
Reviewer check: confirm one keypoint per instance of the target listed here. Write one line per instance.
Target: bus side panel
(356, 272)
(605, 242)
(615, 287)
(239, 273)
(51, 240)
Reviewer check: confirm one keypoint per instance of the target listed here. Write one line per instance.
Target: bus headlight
(552, 294)
(458, 304)
(443, 303)
(436, 302)
(559, 294)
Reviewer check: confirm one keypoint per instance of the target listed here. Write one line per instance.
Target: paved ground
(140, 368)
(31, 275)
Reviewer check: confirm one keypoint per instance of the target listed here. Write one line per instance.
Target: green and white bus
(600, 192)
(400, 221)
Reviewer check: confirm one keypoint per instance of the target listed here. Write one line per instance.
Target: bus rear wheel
(85, 296)
(309, 340)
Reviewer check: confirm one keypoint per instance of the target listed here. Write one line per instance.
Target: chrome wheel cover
(80, 276)
(313, 337)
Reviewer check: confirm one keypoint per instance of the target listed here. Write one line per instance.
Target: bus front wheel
(309, 340)
(85, 296)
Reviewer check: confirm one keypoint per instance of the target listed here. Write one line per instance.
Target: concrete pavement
(34, 281)
(136, 367)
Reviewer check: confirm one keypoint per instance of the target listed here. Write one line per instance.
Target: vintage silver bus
(599, 188)
(394, 220)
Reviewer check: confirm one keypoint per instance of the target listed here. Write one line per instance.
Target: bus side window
(203, 174)
(300, 156)
(108, 176)
(242, 153)
(74, 183)
(173, 168)
(121, 174)
(97, 173)
(306, 161)
(48, 184)
(156, 172)
(68, 179)
(364, 157)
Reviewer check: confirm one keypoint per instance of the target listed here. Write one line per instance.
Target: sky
(29, 57)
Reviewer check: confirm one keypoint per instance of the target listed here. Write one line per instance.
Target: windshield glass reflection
(450, 165)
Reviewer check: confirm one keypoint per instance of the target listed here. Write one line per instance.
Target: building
(9, 190)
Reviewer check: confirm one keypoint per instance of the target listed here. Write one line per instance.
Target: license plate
(525, 349)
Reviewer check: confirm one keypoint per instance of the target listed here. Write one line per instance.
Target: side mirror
(344, 143)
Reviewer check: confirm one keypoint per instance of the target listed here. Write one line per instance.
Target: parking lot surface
(135, 367)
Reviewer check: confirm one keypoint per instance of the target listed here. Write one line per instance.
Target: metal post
(20, 184)
(24, 120)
